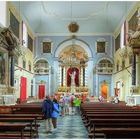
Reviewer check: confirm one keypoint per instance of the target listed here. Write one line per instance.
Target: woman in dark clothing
(47, 109)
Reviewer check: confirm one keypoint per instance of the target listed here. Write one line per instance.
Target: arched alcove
(76, 42)
(104, 66)
(41, 66)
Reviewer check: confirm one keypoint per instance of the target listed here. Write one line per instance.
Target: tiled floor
(69, 127)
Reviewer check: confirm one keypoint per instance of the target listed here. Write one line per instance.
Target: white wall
(3, 13)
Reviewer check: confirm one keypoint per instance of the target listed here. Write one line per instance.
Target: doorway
(23, 89)
(41, 91)
(104, 89)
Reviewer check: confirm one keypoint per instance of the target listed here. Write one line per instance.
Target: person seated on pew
(116, 99)
(101, 99)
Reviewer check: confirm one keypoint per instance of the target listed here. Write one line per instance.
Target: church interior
(89, 49)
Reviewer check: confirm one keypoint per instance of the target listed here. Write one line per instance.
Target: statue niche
(73, 77)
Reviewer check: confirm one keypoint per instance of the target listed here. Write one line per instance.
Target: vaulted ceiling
(93, 17)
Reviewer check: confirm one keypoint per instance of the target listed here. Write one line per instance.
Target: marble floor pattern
(69, 127)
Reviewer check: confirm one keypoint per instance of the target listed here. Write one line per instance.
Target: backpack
(72, 101)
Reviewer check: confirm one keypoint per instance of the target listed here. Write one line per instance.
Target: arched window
(104, 67)
(24, 63)
(29, 66)
(41, 67)
(117, 66)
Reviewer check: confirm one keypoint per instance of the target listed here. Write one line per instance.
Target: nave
(69, 127)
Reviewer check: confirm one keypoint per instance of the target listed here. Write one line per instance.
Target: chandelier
(71, 58)
(73, 27)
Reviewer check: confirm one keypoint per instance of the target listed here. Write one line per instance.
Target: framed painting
(14, 24)
(101, 46)
(30, 43)
(46, 47)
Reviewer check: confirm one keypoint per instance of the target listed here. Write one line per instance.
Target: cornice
(76, 34)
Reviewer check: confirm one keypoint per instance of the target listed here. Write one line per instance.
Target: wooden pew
(18, 128)
(23, 120)
(27, 109)
(98, 124)
(36, 116)
(98, 116)
(121, 132)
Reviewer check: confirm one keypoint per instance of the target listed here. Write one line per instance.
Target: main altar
(72, 70)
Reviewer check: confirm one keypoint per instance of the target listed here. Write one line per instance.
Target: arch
(40, 58)
(66, 43)
(103, 58)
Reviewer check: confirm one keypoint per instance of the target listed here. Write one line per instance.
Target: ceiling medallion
(73, 27)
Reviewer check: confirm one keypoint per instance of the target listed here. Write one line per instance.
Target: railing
(104, 68)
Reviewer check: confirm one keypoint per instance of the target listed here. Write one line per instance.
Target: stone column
(83, 76)
(12, 70)
(137, 70)
(134, 70)
(62, 75)
(50, 81)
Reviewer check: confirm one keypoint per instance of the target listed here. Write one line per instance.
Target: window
(41, 67)
(105, 67)
(16, 60)
(130, 59)
(24, 34)
(123, 63)
(29, 64)
(24, 64)
(117, 66)
(117, 43)
(123, 35)
(30, 43)
(14, 24)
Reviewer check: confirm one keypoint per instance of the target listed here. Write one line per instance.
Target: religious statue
(133, 37)
(73, 78)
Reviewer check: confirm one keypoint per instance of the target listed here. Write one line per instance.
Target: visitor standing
(66, 106)
(61, 104)
(71, 104)
(47, 109)
(77, 103)
(55, 113)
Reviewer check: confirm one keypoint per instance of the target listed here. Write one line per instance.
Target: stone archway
(66, 43)
(72, 56)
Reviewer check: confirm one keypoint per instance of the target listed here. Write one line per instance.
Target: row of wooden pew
(106, 120)
(20, 121)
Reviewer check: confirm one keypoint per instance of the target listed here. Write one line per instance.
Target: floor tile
(69, 127)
